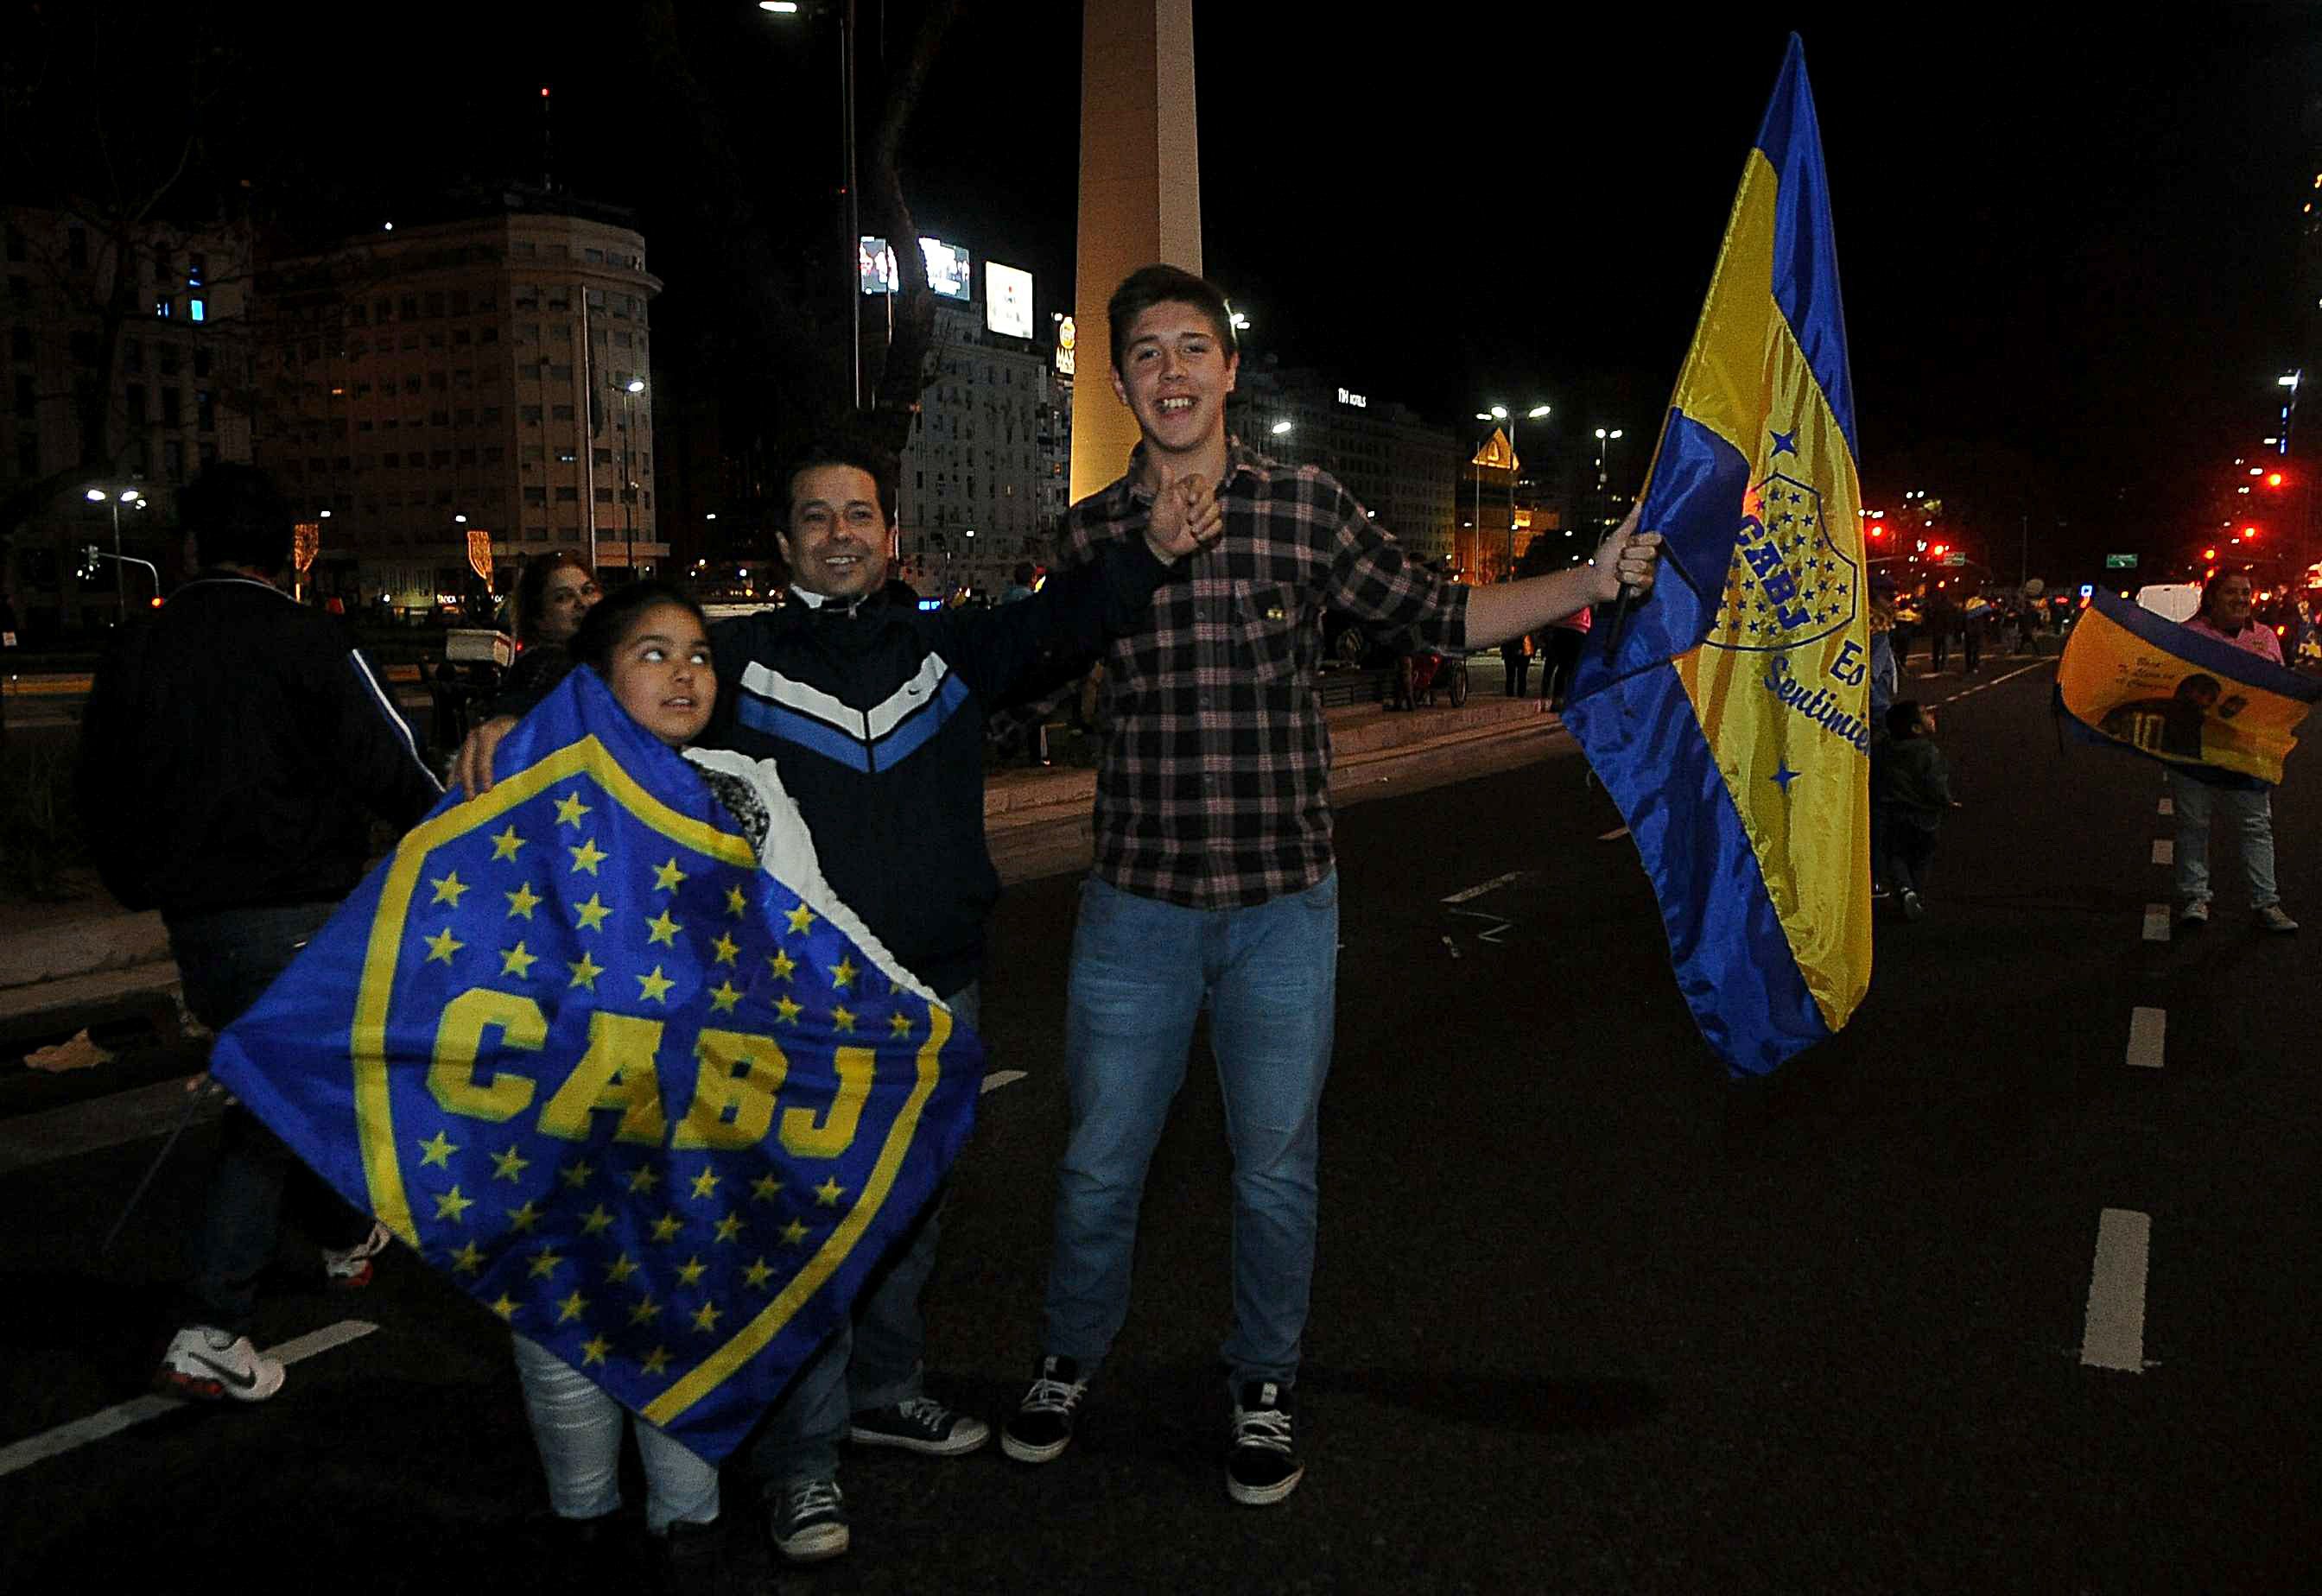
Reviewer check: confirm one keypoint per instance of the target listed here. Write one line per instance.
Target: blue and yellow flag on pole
(654, 1108)
(1731, 724)
(2139, 681)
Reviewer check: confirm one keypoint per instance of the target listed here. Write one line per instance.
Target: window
(604, 495)
(529, 415)
(171, 358)
(535, 498)
(198, 268)
(390, 459)
(568, 496)
(491, 415)
(463, 418)
(173, 459)
(494, 455)
(407, 307)
(163, 308)
(595, 257)
(596, 298)
(411, 383)
(562, 412)
(172, 406)
(201, 362)
(461, 338)
(467, 457)
(437, 382)
(524, 246)
(440, 459)
(464, 377)
(560, 374)
(132, 354)
(489, 335)
(196, 310)
(620, 340)
(603, 457)
(133, 400)
(458, 302)
(439, 418)
(206, 453)
(382, 310)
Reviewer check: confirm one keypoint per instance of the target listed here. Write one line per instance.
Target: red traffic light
(2273, 480)
(1878, 529)
(2249, 532)
(2209, 553)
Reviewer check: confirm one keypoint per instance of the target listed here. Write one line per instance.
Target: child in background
(1912, 792)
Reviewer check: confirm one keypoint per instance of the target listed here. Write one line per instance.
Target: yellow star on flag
(723, 998)
(691, 1271)
(588, 856)
(657, 1359)
(522, 902)
(468, 1259)
(453, 1207)
(576, 1173)
(646, 1312)
(593, 1350)
(706, 1321)
(437, 1150)
(725, 948)
(842, 1018)
(569, 810)
(828, 1193)
(662, 929)
(509, 1165)
(786, 1011)
(505, 845)
(729, 1227)
(667, 876)
(765, 1189)
(504, 1307)
(521, 1220)
(642, 1179)
(705, 1183)
(801, 917)
(592, 913)
(758, 1273)
(667, 1226)
(585, 969)
(618, 1270)
(654, 985)
(544, 1262)
(794, 1234)
(442, 945)
(594, 1221)
(572, 1308)
(843, 973)
(516, 961)
(901, 1024)
(448, 888)
(782, 964)
(738, 904)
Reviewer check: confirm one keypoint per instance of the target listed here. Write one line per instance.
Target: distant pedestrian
(1913, 792)
(2198, 794)
(552, 593)
(1515, 656)
(1565, 640)
(234, 750)
(1020, 586)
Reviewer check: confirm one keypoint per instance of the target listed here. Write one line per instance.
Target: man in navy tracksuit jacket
(873, 712)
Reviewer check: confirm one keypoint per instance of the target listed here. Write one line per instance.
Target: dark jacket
(1914, 783)
(234, 746)
(874, 714)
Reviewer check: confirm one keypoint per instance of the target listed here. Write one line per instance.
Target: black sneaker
(1043, 1425)
(919, 1424)
(809, 1523)
(1261, 1469)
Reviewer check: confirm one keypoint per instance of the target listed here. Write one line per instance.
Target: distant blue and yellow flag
(1731, 725)
(654, 1108)
(2139, 681)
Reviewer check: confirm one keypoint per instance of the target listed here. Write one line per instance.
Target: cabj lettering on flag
(651, 1105)
(2139, 681)
(1731, 725)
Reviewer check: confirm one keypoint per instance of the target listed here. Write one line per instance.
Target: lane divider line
(2164, 851)
(2148, 1028)
(113, 1420)
(2156, 922)
(998, 1079)
(2113, 1337)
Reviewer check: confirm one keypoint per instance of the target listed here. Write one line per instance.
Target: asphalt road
(1586, 1317)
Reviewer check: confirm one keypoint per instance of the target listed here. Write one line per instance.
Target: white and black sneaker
(206, 1365)
(809, 1523)
(919, 1424)
(1261, 1468)
(348, 1268)
(1043, 1425)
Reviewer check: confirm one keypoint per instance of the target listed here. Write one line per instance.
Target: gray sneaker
(808, 1524)
(2272, 918)
(2194, 914)
(919, 1424)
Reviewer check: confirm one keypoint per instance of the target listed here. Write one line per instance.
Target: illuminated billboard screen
(1007, 299)
(947, 267)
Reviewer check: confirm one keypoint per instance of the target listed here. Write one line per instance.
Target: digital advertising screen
(948, 273)
(875, 265)
(1007, 299)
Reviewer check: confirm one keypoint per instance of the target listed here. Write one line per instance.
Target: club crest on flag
(652, 1106)
(1789, 584)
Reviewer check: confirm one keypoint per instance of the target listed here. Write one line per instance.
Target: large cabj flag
(1730, 722)
(654, 1106)
(2137, 680)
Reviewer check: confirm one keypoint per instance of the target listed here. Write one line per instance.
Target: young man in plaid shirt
(1213, 882)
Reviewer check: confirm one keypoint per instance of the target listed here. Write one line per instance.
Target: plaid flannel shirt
(1214, 791)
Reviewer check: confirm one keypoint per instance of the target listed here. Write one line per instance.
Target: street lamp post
(1604, 466)
(1501, 413)
(628, 475)
(116, 498)
(844, 10)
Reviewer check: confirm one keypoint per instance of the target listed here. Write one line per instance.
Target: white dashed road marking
(2114, 1337)
(1493, 885)
(113, 1420)
(1000, 1078)
(2156, 922)
(2147, 1029)
(2164, 851)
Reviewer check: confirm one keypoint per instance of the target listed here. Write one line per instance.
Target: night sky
(2067, 252)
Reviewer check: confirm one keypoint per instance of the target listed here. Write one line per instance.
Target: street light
(1281, 428)
(116, 498)
(1501, 413)
(845, 10)
(636, 385)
